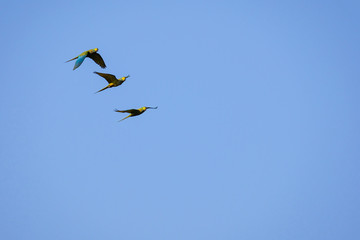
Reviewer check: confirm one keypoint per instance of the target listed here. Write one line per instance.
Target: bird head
(124, 78)
(96, 49)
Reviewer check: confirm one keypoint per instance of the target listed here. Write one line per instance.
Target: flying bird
(92, 53)
(112, 80)
(134, 112)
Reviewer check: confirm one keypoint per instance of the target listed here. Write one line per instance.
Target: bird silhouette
(134, 112)
(112, 80)
(92, 53)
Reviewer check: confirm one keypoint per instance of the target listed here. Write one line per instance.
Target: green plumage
(112, 80)
(92, 53)
(134, 112)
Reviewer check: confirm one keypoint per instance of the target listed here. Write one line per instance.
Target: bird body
(134, 112)
(92, 53)
(112, 80)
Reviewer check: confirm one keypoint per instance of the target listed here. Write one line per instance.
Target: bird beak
(151, 107)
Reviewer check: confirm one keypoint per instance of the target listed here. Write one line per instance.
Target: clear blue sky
(256, 135)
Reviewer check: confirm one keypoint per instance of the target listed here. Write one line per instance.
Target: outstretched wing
(132, 111)
(97, 58)
(79, 61)
(109, 77)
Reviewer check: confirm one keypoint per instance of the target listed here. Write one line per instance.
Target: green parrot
(112, 80)
(134, 112)
(92, 53)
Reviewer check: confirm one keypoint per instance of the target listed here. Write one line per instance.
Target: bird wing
(79, 61)
(97, 58)
(131, 111)
(108, 77)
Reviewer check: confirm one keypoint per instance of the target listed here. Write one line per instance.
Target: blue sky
(256, 135)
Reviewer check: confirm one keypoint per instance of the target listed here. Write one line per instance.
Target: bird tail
(71, 59)
(125, 118)
(103, 89)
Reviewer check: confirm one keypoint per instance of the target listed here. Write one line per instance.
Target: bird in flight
(112, 80)
(134, 112)
(92, 53)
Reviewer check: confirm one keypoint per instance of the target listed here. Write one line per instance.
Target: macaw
(134, 112)
(92, 53)
(112, 80)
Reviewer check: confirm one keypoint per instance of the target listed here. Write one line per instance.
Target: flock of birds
(111, 79)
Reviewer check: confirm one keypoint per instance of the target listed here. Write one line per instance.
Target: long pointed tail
(125, 118)
(103, 89)
(71, 59)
